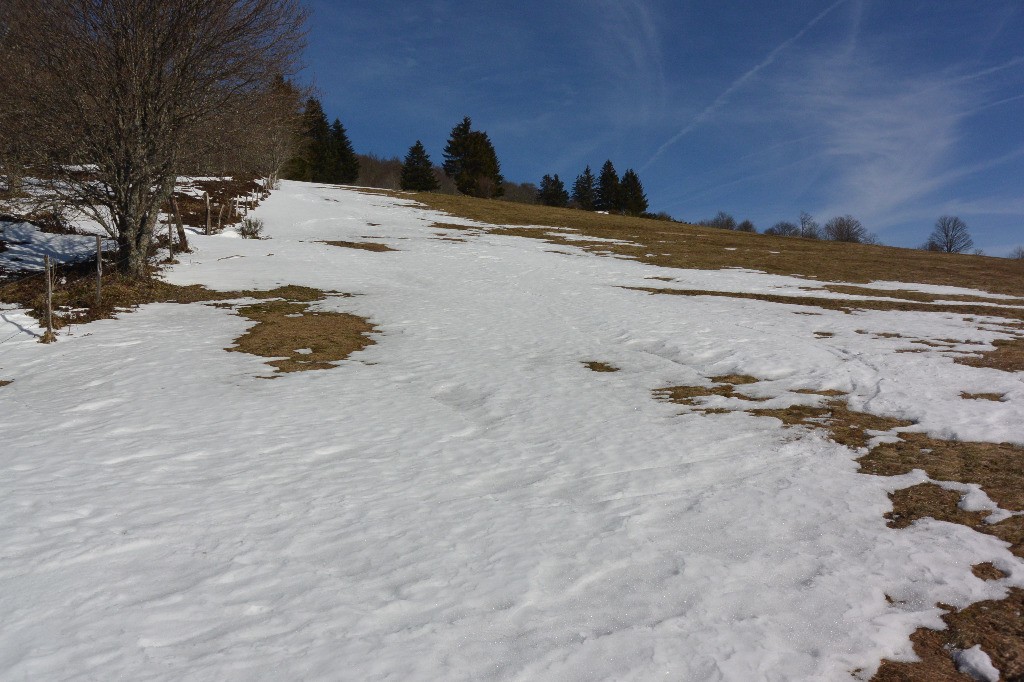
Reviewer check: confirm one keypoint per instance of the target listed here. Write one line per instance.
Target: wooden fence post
(182, 237)
(48, 337)
(208, 216)
(99, 271)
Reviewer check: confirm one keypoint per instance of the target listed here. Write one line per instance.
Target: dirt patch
(1007, 356)
(996, 397)
(997, 626)
(600, 367)
(365, 246)
(299, 338)
(4, 382)
(848, 305)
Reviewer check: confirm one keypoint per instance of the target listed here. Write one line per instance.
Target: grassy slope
(689, 246)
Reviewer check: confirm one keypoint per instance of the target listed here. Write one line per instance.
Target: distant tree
(633, 201)
(470, 160)
(552, 192)
(746, 226)
(311, 162)
(784, 229)
(722, 221)
(343, 165)
(584, 190)
(949, 236)
(1017, 253)
(520, 192)
(809, 228)
(845, 229)
(608, 195)
(417, 171)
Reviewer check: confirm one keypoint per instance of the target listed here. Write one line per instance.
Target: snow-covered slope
(465, 499)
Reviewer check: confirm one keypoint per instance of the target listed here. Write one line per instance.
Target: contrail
(739, 83)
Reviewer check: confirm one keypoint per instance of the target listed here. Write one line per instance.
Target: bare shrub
(845, 229)
(251, 228)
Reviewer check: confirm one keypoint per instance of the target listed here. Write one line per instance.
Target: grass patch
(4, 382)
(365, 246)
(996, 626)
(723, 386)
(848, 306)
(1007, 356)
(600, 367)
(988, 571)
(680, 245)
(74, 301)
(918, 295)
(301, 339)
(996, 397)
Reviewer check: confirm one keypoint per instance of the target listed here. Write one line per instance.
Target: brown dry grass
(682, 245)
(4, 382)
(595, 366)
(996, 467)
(847, 305)
(284, 328)
(995, 625)
(74, 301)
(996, 397)
(723, 386)
(365, 246)
(988, 571)
(1008, 356)
(918, 295)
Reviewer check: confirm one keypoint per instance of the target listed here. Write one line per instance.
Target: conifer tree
(552, 192)
(584, 190)
(311, 162)
(417, 171)
(608, 189)
(633, 201)
(470, 160)
(343, 163)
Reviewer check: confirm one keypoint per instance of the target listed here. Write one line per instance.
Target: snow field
(464, 499)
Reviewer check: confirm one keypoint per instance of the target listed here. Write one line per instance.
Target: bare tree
(783, 228)
(109, 99)
(949, 236)
(846, 229)
(1017, 253)
(809, 226)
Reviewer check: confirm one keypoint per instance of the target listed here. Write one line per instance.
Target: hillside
(452, 444)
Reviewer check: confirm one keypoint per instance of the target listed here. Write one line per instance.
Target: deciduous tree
(845, 229)
(110, 99)
(949, 236)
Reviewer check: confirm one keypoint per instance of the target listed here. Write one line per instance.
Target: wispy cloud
(891, 140)
(720, 101)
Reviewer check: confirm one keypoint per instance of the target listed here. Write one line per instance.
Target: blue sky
(894, 111)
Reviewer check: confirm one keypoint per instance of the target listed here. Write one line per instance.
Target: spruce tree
(552, 192)
(633, 201)
(608, 189)
(343, 163)
(584, 190)
(311, 162)
(470, 160)
(417, 171)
